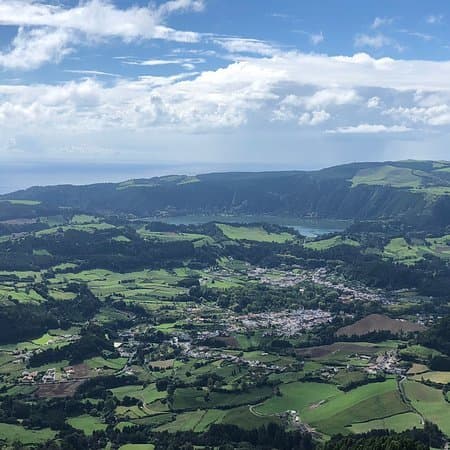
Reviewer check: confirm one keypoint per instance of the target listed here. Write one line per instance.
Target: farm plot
(398, 423)
(141, 286)
(429, 402)
(366, 403)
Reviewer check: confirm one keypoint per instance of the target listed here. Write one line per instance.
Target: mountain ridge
(363, 190)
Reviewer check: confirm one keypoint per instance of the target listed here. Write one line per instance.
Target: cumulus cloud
(181, 5)
(367, 128)
(376, 41)
(313, 118)
(436, 115)
(373, 102)
(46, 31)
(287, 86)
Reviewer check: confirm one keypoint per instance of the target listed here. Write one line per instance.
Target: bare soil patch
(58, 390)
(379, 322)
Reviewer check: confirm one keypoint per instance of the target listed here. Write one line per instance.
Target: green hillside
(405, 189)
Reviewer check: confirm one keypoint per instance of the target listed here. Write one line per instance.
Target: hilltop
(382, 190)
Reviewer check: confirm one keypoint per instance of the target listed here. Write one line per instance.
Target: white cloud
(247, 91)
(290, 105)
(316, 38)
(376, 41)
(50, 29)
(434, 19)
(96, 18)
(425, 37)
(91, 72)
(366, 128)
(327, 97)
(32, 48)
(374, 102)
(313, 118)
(436, 115)
(181, 5)
(242, 45)
(381, 21)
(185, 62)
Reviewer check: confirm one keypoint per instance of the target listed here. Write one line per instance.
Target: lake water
(306, 227)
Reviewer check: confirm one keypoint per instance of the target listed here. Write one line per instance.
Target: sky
(199, 85)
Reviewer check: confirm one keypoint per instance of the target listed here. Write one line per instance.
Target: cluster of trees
(91, 343)
(415, 439)
(226, 437)
(22, 321)
(99, 249)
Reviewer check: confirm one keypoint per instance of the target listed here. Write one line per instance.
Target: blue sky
(223, 83)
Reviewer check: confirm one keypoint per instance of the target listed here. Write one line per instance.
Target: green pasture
(137, 447)
(331, 410)
(248, 233)
(86, 423)
(148, 394)
(13, 433)
(398, 423)
(434, 376)
(191, 398)
(386, 175)
(143, 286)
(430, 402)
(197, 239)
(326, 244)
(401, 251)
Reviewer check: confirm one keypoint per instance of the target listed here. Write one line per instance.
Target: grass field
(87, 227)
(434, 377)
(417, 369)
(197, 239)
(248, 233)
(398, 423)
(13, 433)
(333, 411)
(88, 424)
(142, 286)
(137, 447)
(418, 352)
(99, 362)
(410, 253)
(325, 244)
(430, 403)
(244, 418)
(386, 175)
(369, 402)
(147, 395)
(23, 202)
(190, 398)
(298, 396)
